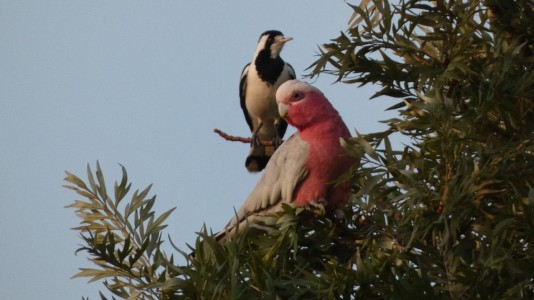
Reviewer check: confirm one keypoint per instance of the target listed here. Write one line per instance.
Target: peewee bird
(304, 170)
(259, 81)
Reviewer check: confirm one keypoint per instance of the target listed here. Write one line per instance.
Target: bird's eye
(297, 96)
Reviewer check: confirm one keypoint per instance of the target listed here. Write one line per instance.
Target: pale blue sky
(143, 84)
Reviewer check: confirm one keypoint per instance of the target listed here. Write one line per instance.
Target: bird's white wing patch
(244, 72)
(291, 71)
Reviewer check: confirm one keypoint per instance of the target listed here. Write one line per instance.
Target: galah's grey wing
(285, 170)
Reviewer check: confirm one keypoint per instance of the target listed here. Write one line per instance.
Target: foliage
(123, 243)
(450, 215)
(458, 201)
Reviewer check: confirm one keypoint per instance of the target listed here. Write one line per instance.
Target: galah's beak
(282, 109)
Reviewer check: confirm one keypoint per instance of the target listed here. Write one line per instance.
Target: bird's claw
(318, 207)
(254, 140)
(277, 141)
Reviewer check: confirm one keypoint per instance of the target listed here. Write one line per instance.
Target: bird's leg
(277, 141)
(318, 207)
(255, 140)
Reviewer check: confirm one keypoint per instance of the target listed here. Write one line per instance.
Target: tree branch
(233, 138)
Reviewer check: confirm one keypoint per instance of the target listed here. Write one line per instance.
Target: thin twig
(233, 138)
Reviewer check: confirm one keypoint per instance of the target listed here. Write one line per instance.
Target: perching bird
(304, 170)
(259, 81)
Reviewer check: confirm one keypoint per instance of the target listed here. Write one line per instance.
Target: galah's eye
(297, 96)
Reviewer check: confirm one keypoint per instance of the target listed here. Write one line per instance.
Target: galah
(259, 81)
(306, 167)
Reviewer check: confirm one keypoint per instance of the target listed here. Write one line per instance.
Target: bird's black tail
(258, 157)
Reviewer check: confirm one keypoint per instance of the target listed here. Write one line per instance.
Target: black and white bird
(259, 81)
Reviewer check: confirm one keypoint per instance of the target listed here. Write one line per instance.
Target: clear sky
(143, 84)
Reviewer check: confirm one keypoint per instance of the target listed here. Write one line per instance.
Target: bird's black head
(271, 34)
(268, 62)
(271, 43)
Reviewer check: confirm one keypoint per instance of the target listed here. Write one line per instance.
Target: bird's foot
(318, 207)
(254, 140)
(277, 141)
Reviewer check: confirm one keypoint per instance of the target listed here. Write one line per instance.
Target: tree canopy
(449, 215)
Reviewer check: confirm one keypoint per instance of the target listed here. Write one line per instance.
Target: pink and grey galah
(306, 168)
